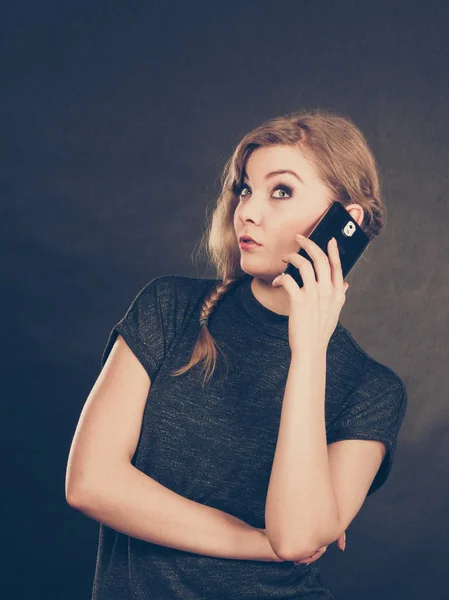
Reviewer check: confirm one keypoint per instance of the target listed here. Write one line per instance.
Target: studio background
(117, 119)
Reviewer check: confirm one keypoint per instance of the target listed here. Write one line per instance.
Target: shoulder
(176, 296)
(183, 286)
(374, 379)
(169, 285)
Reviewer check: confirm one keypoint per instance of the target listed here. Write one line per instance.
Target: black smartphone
(351, 239)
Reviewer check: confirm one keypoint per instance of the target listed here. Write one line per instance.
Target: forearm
(301, 511)
(132, 503)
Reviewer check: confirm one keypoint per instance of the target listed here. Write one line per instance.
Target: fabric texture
(216, 445)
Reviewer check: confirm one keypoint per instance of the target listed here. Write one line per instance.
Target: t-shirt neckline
(262, 317)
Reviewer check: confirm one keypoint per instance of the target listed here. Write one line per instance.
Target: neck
(275, 299)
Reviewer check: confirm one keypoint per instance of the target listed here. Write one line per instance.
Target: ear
(356, 212)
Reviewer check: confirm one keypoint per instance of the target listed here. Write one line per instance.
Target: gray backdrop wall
(117, 119)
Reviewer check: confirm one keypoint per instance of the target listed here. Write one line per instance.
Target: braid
(212, 300)
(205, 346)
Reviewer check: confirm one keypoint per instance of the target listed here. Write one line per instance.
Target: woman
(231, 485)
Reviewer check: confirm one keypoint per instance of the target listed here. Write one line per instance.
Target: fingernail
(277, 278)
(300, 236)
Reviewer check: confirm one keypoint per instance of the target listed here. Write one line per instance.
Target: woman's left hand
(314, 308)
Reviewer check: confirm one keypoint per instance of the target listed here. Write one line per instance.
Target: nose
(250, 209)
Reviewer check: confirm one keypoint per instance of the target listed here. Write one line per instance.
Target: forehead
(273, 158)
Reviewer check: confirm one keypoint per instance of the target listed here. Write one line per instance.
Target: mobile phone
(352, 241)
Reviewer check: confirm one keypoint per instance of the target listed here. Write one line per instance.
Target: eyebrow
(280, 172)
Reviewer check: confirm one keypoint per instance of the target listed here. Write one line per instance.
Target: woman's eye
(282, 188)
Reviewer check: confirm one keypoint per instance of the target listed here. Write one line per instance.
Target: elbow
(286, 551)
(73, 499)
(79, 486)
(298, 542)
(275, 538)
(275, 547)
(76, 498)
(306, 547)
(289, 553)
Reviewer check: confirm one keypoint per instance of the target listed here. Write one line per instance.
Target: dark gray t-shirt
(216, 445)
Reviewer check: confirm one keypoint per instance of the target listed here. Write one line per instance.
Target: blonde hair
(345, 163)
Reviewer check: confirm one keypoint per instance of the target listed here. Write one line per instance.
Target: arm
(333, 480)
(102, 482)
(129, 501)
(301, 509)
(314, 492)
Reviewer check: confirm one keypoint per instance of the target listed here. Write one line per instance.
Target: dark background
(116, 120)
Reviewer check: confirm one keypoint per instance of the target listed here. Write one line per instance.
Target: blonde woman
(236, 426)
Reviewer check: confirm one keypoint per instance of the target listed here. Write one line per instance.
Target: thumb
(275, 282)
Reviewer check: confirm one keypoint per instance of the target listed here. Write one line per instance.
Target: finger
(315, 556)
(317, 553)
(320, 260)
(288, 283)
(341, 542)
(335, 262)
(305, 269)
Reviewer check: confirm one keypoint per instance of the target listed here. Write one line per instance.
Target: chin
(262, 276)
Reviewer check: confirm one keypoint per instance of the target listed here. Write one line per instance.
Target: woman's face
(273, 208)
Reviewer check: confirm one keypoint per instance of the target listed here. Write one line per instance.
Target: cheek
(285, 236)
(235, 221)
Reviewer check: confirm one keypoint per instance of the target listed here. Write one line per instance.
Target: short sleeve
(144, 325)
(369, 415)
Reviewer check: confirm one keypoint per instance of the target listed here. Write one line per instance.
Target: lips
(247, 238)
